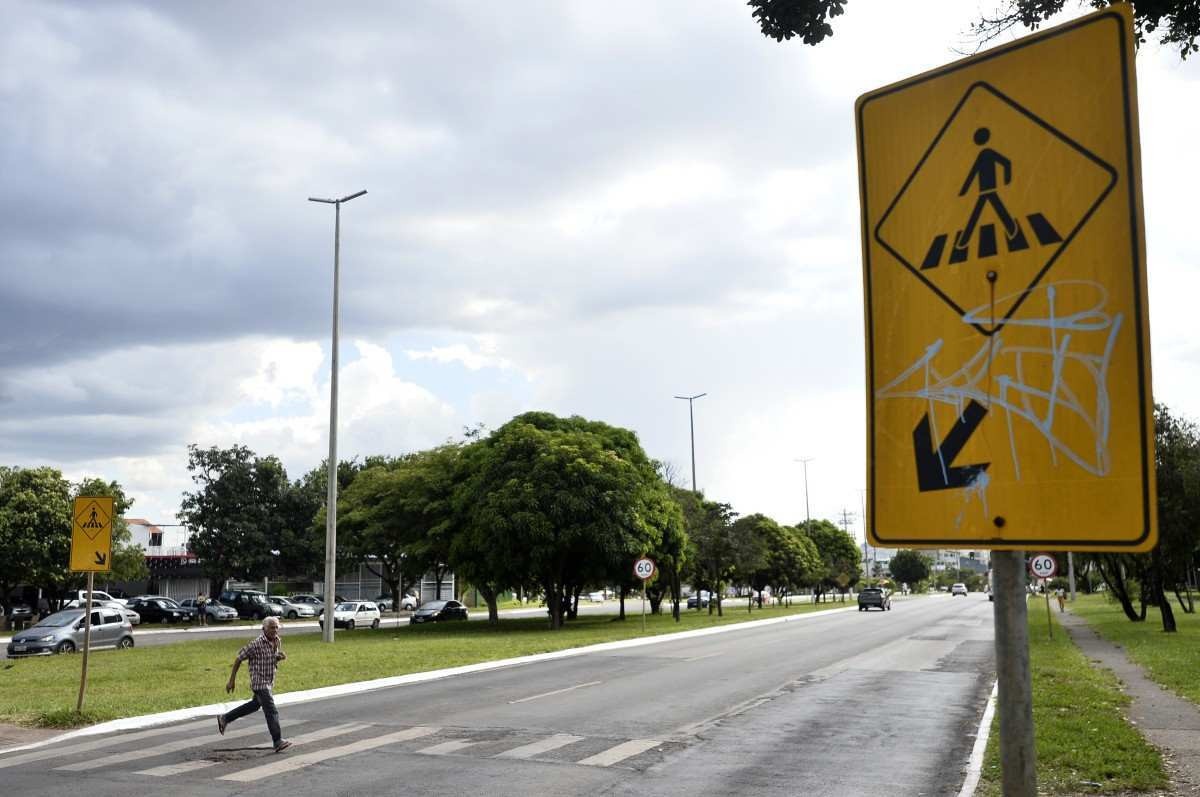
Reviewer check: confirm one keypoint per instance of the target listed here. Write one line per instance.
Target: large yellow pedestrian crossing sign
(91, 534)
(1008, 352)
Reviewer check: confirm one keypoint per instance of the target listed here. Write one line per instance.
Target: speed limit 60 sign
(1043, 565)
(644, 568)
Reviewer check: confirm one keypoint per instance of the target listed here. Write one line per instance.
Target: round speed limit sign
(1043, 565)
(644, 568)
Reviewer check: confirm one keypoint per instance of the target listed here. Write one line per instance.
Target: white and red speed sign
(1043, 565)
(644, 568)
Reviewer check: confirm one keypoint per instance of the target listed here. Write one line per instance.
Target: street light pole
(692, 427)
(331, 473)
(807, 517)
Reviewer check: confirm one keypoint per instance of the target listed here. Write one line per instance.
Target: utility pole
(807, 515)
(331, 499)
(692, 429)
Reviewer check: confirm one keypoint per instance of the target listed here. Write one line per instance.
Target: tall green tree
(839, 556)
(236, 514)
(35, 527)
(909, 566)
(561, 494)
(712, 557)
(1177, 22)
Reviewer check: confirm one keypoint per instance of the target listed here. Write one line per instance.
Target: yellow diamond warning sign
(1008, 351)
(999, 190)
(91, 534)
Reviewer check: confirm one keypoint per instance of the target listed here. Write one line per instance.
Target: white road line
(446, 748)
(159, 749)
(975, 762)
(182, 768)
(555, 692)
(287, 763)
(619, 753)
(705, 656)
(190, 766)
(109, 741)
(544, 746)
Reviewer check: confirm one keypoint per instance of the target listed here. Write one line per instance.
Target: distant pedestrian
(201, 608)
(264, 653)
(1061, 595)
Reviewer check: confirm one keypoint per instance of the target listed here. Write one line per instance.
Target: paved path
(1168, 721)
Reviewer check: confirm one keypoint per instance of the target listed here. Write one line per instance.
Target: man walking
(264, 654)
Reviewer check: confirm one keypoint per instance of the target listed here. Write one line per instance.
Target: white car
(354, 614)
(958, 589)
(133, 617)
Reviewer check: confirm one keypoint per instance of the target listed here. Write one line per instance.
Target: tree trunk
(1111, 575)
(717, 592)
(624, 590)
(489, 597)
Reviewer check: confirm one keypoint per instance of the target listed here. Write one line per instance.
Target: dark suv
(250, 603)
(873, 598)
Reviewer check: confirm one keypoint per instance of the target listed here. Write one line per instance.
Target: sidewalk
(1169, 722)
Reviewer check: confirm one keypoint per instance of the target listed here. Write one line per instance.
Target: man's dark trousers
(266, 701)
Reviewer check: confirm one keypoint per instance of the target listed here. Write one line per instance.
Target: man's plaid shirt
(261, 655)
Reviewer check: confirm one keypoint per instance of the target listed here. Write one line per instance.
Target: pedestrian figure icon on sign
(983, 173)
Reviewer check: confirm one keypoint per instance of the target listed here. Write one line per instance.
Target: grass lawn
(146, 680)
(1080, 733)
(1171, 660)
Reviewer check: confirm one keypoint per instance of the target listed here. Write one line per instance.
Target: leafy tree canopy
(909, 566)
(1176, 21)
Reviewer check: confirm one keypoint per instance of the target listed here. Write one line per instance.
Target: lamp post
(807, 517)
(692, 427)
(331, 501)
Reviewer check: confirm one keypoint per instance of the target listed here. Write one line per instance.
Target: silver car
(63, 632)
(130, 614)
(292, 611)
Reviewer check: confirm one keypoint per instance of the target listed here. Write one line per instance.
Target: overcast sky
(579, 207)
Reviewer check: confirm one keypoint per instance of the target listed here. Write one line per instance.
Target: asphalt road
(840, 703)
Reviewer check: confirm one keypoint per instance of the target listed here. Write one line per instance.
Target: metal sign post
(1014, 683)
(87, 642)
(644, 569)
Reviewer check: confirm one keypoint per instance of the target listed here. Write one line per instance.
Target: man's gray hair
(270, 621)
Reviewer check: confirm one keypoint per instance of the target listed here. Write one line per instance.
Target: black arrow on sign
(100, 558)
(934, 466)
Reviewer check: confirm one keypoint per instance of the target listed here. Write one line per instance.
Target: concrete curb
(325, 692)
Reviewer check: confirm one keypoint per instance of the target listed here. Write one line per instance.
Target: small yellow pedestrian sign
(1008, 352)
(91, 535)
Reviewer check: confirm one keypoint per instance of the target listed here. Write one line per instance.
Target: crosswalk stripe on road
(542, 746)
(620, 752)
(97, 744)
(101, 762)
(168, 770)
(446, 748)
(288, 763)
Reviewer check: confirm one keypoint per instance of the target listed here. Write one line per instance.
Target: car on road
(160, 609)
(354, 614)
(214, 610)
(316, 601)
(63, 632)
(958, 589)
(292, 611)
(699, 600)
(251, 604)
(438, 611)
(19, 613)
(874, 598)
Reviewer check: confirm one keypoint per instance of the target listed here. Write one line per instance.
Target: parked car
(130, 614)
(214, 610)
(874, 598)
(19, 613)
(354, 614)
(157, 609)
(437, 611)
(63, 632)
(958, 589)
(407, 603)
(251, 604)
(292, 611)
(97, 596)
(699, 600)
